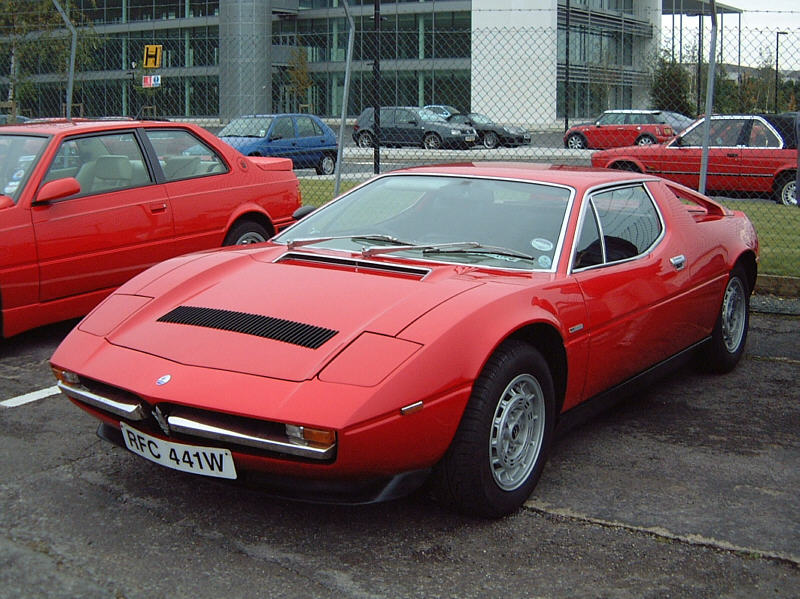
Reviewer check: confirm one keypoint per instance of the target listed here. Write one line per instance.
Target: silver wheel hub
(517, 431)
(733, 315)
(249, 238)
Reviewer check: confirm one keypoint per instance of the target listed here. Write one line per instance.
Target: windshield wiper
(295, 243)
(478, 248)
(428, 247)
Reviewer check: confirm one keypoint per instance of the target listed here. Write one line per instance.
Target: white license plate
(207, 461)
(470, 138)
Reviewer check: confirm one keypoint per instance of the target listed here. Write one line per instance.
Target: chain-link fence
(610, 92)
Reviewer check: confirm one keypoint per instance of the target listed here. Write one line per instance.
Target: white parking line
(29, 397)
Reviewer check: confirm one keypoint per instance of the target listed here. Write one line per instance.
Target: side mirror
(58, 189)
(5, 202)
(302, 212)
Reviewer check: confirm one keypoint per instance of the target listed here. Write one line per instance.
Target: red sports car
(615, 128)
(85, 205)
(433, 323)
(748, 153)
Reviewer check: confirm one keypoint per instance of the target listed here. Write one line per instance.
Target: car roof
(572, 176)
(274, 114)
(631, 111)
(65, 127)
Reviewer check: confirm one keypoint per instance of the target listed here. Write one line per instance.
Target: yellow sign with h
(152, 57)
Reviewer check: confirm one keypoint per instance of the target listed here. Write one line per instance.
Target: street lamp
(778, 35)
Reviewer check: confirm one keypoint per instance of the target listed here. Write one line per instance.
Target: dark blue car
(304, 138)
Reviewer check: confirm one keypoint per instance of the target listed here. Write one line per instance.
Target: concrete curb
(777, 285)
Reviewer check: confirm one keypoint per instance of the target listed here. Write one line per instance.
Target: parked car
(491, 134)
(748, 153)
(7, 119)
(85, 205)
(434, 323)
(676, 120)
(616, 128)
(304, 138)
(411, 126)
(444, 110)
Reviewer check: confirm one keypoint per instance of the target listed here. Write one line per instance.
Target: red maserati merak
(431, 325)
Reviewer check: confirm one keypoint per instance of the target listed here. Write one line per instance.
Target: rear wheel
(786, 190)
(726, 346)
(246, 232)
(366, 140)
(499, 450)
(646, 140)
(326, 165)
(576, 141)
(490, 140)
(431, 141)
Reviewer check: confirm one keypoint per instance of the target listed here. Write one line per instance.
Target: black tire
(246, 232)
(576, 141)
(366, 140)
(726, 346)
(431, 141)
(646, 140)
(490, 140)
(502, 442)
(326, 164)
(786, 189)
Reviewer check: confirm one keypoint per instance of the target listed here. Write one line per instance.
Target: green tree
(299, 76)
(670, 85)
(34, 40)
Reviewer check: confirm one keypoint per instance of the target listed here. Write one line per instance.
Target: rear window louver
(288, 331)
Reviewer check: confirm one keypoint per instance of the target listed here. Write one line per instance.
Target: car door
(310, 140)
(761, 157)
(408, 127)
(199, 185)
(622, 263)
(682, 158)
(282, 138)
(119, 224)
(609, 130)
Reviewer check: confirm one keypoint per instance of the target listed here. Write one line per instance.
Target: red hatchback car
(748, 153)
(433, 323)
(85, 205)
(616, 128)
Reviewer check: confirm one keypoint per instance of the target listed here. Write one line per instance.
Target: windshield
(18, 156)
(247, 127)
(429, 115)
(481, 119)
(486, 222)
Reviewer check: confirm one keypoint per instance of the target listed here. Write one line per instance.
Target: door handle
(156, 207)
(678, 262)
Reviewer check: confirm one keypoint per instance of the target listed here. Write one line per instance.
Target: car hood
(272, 313)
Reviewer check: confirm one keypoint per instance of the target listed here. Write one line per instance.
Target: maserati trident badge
(163, 380)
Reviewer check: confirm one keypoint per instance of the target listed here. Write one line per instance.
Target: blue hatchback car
(304, 138)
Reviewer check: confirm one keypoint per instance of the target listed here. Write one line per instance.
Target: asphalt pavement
(689, 489)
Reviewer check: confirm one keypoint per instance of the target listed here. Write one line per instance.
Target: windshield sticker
(543, 245)
(545, 261)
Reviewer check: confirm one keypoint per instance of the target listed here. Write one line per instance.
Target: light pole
(778, 35)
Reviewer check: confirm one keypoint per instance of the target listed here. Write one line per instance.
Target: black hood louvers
(269, 327)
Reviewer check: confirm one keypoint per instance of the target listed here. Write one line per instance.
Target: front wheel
(501, 445)
(726, 346)
(576, 141)
(245, 233)
(326, 165)
(786, 190)
(431, 141)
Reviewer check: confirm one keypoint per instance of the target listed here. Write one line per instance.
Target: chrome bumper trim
(118, 408)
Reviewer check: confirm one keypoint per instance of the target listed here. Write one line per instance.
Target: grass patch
(778, 226)
(778, 229)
